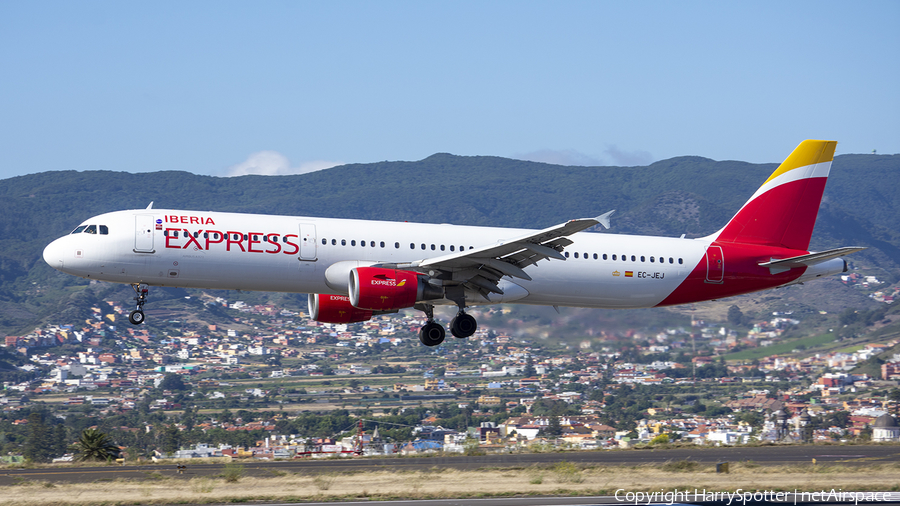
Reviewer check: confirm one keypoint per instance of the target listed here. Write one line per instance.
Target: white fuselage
(292, 254)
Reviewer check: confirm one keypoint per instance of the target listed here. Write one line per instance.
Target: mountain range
(689, 195)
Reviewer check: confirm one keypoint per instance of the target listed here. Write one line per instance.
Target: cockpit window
(79, 229)
(91, 229)
(104, 230)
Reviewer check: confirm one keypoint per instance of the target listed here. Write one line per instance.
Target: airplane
(356, 269)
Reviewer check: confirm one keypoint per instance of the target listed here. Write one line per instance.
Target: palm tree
(95, 445)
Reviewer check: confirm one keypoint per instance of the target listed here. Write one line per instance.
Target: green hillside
(684, 195)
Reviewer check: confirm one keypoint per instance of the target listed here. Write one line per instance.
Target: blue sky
(284, 87)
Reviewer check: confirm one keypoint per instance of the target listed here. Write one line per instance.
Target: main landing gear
(432, 333)
(137, 316)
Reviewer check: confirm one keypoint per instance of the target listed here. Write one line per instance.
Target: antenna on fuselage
(151, 205)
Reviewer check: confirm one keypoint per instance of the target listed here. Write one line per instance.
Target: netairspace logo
(740, 497)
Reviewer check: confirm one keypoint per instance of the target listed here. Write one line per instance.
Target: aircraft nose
(53, 254)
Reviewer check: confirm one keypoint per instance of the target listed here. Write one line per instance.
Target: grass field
(781, 348)
(563, 478)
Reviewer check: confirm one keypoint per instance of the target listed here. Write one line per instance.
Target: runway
(855, 455)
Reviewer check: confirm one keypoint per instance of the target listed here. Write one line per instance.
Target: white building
(885, 429)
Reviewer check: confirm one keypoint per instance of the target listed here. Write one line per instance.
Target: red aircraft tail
(783, 211)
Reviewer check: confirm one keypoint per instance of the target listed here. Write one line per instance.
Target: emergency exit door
(143, 233)
(307, 242)
(715, 265)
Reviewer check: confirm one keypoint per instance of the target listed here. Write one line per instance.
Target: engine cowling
(380, 289)
(335, 309)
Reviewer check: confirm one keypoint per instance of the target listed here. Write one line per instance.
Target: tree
(735, 315)
(553, 428)
(529, 367)
(94, 445)
(660, 439)
(39, 445)
(60, 441)
(171, 440)
(172, 382)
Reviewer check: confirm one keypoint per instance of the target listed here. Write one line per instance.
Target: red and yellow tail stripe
(783, 211)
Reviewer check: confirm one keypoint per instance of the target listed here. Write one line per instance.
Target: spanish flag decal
(629, 274)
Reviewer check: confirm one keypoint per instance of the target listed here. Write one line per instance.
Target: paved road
(769, 455)
(881, 499)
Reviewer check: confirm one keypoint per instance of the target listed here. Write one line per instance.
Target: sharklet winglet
(603, 219)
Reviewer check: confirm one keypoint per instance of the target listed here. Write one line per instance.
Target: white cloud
(273, 163)
(570, 157)
(628, 158)
(559, 157)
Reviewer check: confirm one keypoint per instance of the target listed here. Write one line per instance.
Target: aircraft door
(715, 265)
(143, 233)
(307, 242)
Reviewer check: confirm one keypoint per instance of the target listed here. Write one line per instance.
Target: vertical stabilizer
(783, 211)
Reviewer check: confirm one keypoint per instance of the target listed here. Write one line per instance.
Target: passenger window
(595, 256)
(432, 247)
(324, 241)
(245, 237)
(412, 246)
(576, 254)
(372, 244)
(680, 261)
(353, 242)
(567, 254)
(206, 235)
(585, 255)
(452, 248)
(91, 229)
(79, 229)
(633, 259)
(382, 244)
(642, 258)
(423, 245)
(184, 234)
(362, 243)
(613, 257)
(397, 245)
(334, 242)
(442, 247)
(671, 260)
(652, 259)
(343, 242)
(104, 230)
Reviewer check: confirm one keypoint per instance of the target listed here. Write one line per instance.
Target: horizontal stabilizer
(811, 258)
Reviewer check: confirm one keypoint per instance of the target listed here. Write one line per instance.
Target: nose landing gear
(137, 316)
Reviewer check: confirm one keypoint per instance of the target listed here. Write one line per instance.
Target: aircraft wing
(482, 267)
(811, 258)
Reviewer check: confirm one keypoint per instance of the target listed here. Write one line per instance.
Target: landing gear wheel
(431, 334)
(464, 325)
(136, 317)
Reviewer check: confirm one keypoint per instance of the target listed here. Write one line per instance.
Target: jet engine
(380, 289)
(335, 309)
